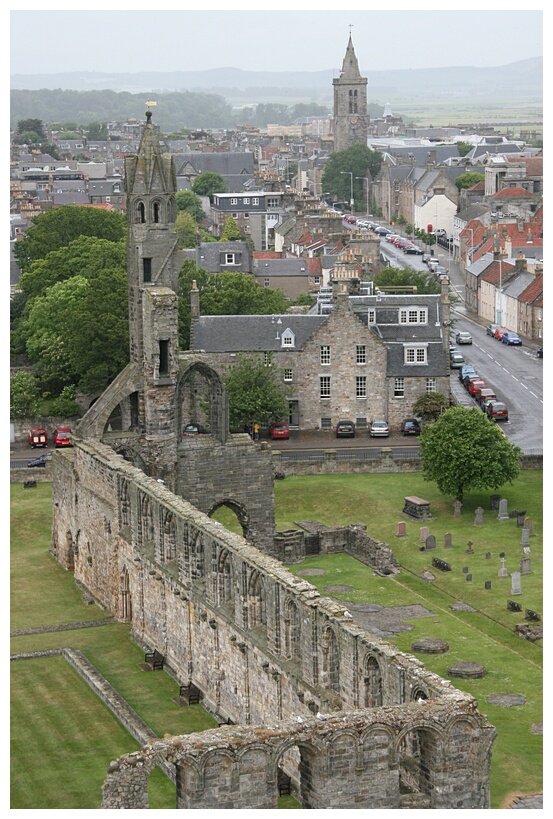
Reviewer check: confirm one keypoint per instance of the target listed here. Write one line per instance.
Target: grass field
(63, 737)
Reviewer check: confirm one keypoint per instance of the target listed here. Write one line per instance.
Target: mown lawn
(63, 737)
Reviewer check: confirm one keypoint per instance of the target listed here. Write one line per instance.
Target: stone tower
(351, 120)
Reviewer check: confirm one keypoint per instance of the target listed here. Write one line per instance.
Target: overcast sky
(307, 40)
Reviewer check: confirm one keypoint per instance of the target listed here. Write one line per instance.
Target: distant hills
(522, 79)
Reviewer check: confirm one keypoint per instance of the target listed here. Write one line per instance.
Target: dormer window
(287, 338)
(413, 315)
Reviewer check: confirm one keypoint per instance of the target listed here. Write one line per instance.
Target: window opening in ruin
(414, 757)
(292, 626)
(126, 604)
(233, 516)
(146, 270)
(163, 357)
(331, 659)
(294, 774)
(373, 683)
(256, 601)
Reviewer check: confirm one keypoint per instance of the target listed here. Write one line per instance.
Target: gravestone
(417, 508)
(401, 529)
(528, 524)
(442, 565)
(430, 543)
(525, 565)
(487, 584)
(465, 569)
(521, 517)
(525, 541)
(468, 578)
(532, 615)
(457, 508)
(479, 516)
(488, 555)
(470, 550)
(503, 571)
(424, 531)
(447, 541)
(501, 554)
(503, 513)
(494, 501)
(526, 550)
(515, 583)
(512, 606)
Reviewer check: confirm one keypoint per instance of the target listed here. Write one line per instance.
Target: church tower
(351, 121)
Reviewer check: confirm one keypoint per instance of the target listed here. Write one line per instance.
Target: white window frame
(325, 355)
(360, 386)
(399, 387)
(413, 314)
(230, 258)
(431, 385)
(360, 354)
(288, 338)
(246, 200)
(324, 387)
(288, 374)
(371, 316)
(415, 355)
(234, 201)
(255, 200)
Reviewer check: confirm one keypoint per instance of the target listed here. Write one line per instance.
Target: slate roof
(236, 334)
(280, 267)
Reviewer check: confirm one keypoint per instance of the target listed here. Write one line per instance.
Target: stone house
(369, 357)
(256, 213)
(293, 276)
(221, 257)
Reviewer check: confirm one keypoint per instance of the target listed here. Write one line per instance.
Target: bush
(24, 395)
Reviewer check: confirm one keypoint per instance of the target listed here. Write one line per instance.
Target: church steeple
(350, 103)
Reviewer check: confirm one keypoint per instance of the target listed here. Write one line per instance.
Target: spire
(350, 67)
(149, 171)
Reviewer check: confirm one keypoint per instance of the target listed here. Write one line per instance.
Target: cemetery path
(450, 613)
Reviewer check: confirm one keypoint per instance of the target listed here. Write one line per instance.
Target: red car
(474, 386)
(62, 436)
(279, 430)
(498, 333)
(37, 437)
(498, 411)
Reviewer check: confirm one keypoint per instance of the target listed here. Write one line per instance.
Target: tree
(465, 450)
(464, 148)
(255, 393)
(206, 184)
(30, 127)
(357, 160)
(97, 130)
(65, 404)
(231, 231)
(224, 294)
(24, 395)
(430, 406)
(189, 202)
(467, 180)
(392, 277)
(60, 226)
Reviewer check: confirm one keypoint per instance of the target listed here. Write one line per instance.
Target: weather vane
(350, 28)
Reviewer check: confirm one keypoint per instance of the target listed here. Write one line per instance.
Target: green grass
(58, 720)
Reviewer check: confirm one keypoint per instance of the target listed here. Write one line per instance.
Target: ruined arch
(168, 539)
(239, 510)
(146, 521)
(331, 658)
(419, 749)
(298, 760)
(197, 555)
(213, 403)
(125, 596)
(225, 577)
(372, 680)
(292, 629)
(257, 610)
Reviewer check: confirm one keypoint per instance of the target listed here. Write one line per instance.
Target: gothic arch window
(331, 659)
(125, 504)
(197, 557)
(256, 601)
(126, 605)
(224, 577)
(147, 520)
(140, 213)
(351, 102)
(156, 212)
(355, 102)
(373, 683)
(168, 545)
(292, 629)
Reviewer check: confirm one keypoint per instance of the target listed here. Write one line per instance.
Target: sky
(130, 40)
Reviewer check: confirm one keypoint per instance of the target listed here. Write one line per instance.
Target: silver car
(463, 337)
(379, 429)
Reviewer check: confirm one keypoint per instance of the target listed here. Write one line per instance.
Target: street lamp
(351, 188)
(367, 181)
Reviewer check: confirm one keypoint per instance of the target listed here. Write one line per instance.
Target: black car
(41, 461)
(410, 426)
(539, 353)
(417, 251)
(193, 429)
(345, 429)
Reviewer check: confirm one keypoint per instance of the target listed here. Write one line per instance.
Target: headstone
(430, 543)
(447, 541)
(503, 513)
(525, 565)
(488, 555)
(521, 517)
(503, 571)
(417, 508)
(494, 501)
(532, 615)
(457, 508)
(465, 569)
(470, 550)
(501, 554)
(512, 606)
(401, 529)
(528, 524)
(515, 583)
(526, 550)
(423, 534)
(468, 578)
(479, 516)
(442, 565)
(487, 584)
(525, 538)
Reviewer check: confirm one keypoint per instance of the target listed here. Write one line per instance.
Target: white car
(463, 337)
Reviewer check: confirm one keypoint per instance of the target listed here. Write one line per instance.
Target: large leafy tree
(206, 184)
(224, 294)
(467, 180)
(430, 406)
(190, 202)
(392, 277)
(359, 161)
(58, 227)
(24, 395)
(255, 393)
(189, 233)
(463, 450)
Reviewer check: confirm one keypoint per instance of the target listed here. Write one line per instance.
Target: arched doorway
(416, 755)
(232, 515)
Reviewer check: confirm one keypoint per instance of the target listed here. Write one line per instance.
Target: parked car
(37, 437)
(279, 430)
(379, 429)
(415, 250)
(345, 429)
(477, 390)
(193, 429)
(475, 385)
(468, 379)
(350, 219)
(498, 332)
(498, 411)
(40, 461)
(432, 262)
(539, 353)
(491, 328)
(391, 237)
(486, 393)
(456, 361)
(485, 403)
(62, 436)
(466, 369)
(511, 338)
(410, 426)
(463, 337)
(382, 231)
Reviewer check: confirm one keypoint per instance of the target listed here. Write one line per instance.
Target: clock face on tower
(353, 120)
